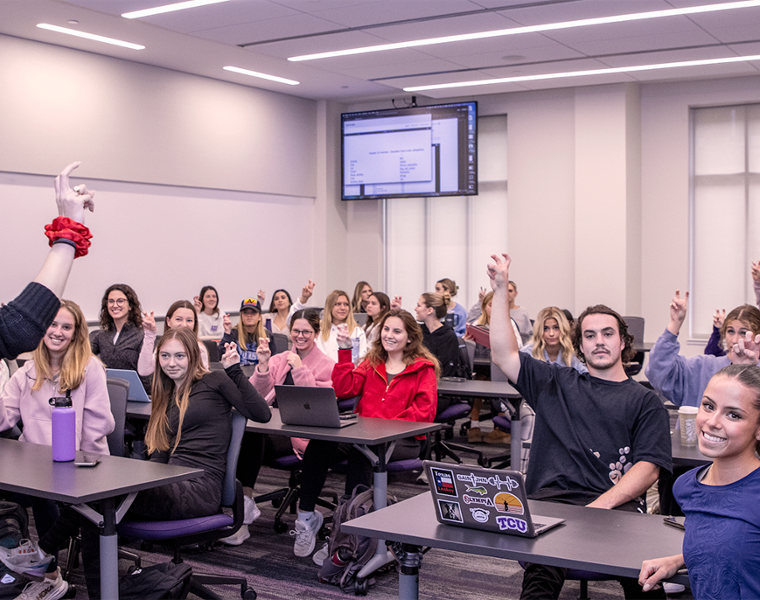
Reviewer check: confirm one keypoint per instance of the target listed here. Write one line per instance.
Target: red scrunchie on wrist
(63, 227)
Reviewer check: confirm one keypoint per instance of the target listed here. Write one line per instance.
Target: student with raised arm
(277, 318)
(721, 546)
(210, 318)
(25, 320)
(600, 438)
(683, 380)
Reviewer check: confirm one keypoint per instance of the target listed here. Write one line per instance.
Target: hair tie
(64, 228)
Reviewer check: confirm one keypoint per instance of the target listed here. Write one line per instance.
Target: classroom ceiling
(260, 35)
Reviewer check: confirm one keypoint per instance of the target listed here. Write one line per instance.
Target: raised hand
(677, 311)
(482, 294)
(396, 302)
(498, 271)
(343, 337)
(307, 291)
(264, 352)
(294, 360)
(261, 296)
(198, 304)
(72, 202)
(149, 321)
(747, 350)
(756, 270)
(719, 317)
(230, 356)
(227, 324)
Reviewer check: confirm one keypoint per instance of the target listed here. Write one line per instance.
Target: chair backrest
(233, 453)
(118, 392)
(212, 347)
(635, 328)
(467, 350)
(361, 319)
(280, 342)
(497, 374)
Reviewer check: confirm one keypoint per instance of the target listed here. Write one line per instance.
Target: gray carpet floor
(267, 560)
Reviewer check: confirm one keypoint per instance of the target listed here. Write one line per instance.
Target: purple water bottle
(64, 428)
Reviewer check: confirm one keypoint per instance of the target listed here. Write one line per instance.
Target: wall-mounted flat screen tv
(410, 152)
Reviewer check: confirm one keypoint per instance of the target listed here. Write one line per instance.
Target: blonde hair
(438, 302)
(565, 339)
(484, 319)
(165, 391)
(327, 323)
(242, 334)
(75, 359)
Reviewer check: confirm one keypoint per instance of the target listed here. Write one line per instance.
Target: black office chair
(636, 329)
(212, 347)
(203, 530)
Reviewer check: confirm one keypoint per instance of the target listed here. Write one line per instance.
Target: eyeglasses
(117, 301)
(298, 333)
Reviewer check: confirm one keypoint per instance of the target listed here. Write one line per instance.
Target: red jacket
(411, 396)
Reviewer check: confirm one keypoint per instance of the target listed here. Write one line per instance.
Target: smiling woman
(119, 340)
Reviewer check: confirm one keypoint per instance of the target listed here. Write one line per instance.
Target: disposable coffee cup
(687, 417)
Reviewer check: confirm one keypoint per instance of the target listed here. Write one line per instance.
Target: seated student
(438, 337)
(189, 426)
(338, 313)
(362, 292)
(474, 434)
(276, 320)
(396, 380)
(210, 318)
(519, 314)
(249, 330)
(721, 546)
(551, 341)
(180, 314)
(306, 366)
(377, 305)
(119, 340)
(683, 380)
(61, 364)
(25, 319)
(456, 312)
(715, 343)
(600, 438)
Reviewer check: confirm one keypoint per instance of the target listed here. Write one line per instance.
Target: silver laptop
(137, 392)
(310, 406)
(487, 499)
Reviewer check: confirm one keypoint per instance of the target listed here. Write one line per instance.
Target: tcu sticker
(480, 514)
(511, 523)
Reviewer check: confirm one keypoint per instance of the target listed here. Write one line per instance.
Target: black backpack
(166, 580)
(14, 524)
(11, 583)
(348, 553)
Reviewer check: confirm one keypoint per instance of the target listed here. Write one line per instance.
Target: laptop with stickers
(310, 406)
(487, 499)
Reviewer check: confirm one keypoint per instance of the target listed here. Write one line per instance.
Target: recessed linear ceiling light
(655, 14)
(634, 69)
(91, 36)
(139, 14)
(262, 75)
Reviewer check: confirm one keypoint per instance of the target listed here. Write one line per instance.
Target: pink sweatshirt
(94, 420)
(315, 371)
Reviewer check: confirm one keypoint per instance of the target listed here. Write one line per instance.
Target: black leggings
(321, 455)
(258, 449)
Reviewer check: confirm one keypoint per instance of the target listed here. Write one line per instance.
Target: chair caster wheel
(249, 594)
(360, 588)
(70, 593)
(280, 527)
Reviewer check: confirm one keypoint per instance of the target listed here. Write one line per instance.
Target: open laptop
(137, 392)
(487, 499)
(310, 406)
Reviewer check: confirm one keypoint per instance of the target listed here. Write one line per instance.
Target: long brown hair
(414, 348)
(749, 377)
(181, 304)
(165, 391)
(75, 358)
(385, 306)
(135, 310)
(356, 301)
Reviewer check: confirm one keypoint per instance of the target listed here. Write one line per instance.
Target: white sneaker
(673, 588)
(25, 559)
(422, 478)
(320, 556)
(251, 512)
(47, 589)
(306, 534)
(238, 537)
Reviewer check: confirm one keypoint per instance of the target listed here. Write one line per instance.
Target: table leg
(410, 559)
(109, 552)
(382, 556)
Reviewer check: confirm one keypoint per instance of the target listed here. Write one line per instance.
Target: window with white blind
(725, 210)
(427, 239)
